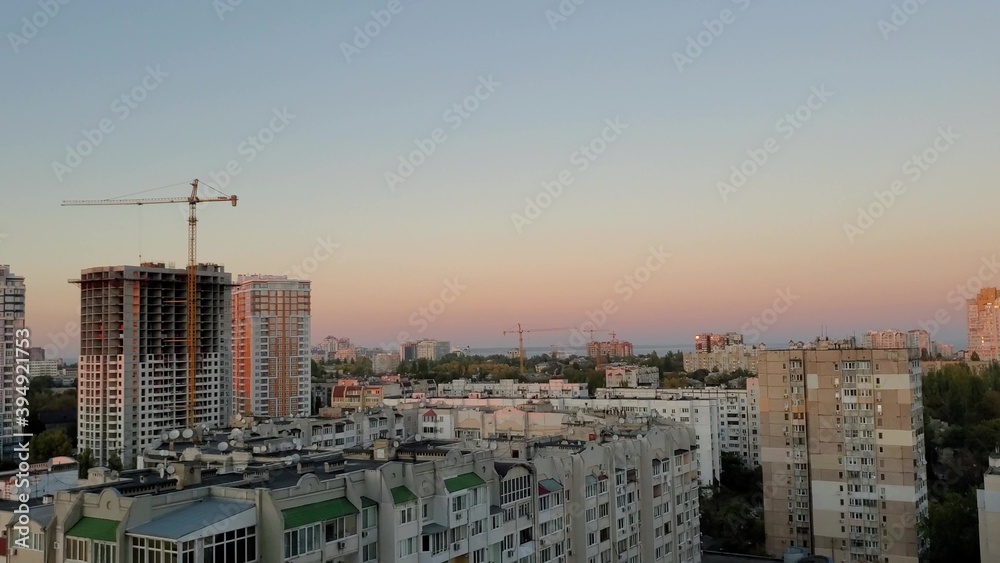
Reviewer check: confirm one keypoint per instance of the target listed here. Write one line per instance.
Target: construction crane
(520, 338)
(192, 273)
(614, 336)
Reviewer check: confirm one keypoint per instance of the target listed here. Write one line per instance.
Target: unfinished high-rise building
(842, 451)
(133, 370)
(272, 372)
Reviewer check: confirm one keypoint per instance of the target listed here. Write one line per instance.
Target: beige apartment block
(841, 445)
(984, 324)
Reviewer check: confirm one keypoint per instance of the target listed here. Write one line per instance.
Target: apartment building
(609, 349)
(984, 324)
(272, 369)
(886, 339)
(432, 350)
(133, 368)
(385, 363)
(635, 499)
(621, 375)
(841, 432)
(988, 501)
(725, 359)
(511, 388)
(701, 414)
(12, 290)
(738, 412)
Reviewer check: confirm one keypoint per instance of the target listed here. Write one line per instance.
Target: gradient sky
(656, 186)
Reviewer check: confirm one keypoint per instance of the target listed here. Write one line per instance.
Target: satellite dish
(160, 467)
(395, 443)
(188, 433)
(621, 421)
(223, 446)
(174, 434)
(170, 470)
(493, 445)
(239, 417)
(164, 436)
(295, 458)
(418, 437)
(639, 436)
(616, 437)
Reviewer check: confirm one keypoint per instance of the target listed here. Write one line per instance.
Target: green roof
(95, 529)
(462, 482)
(402, 495)
(366, 502)
(317, 512)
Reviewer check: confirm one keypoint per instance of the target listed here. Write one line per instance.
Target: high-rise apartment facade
(271, 332)
(842, 451)
(984, 324)
(11, 320)
(133, 370)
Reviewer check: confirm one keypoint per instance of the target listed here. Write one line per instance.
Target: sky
(450, 169)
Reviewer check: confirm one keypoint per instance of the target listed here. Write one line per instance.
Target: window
(369, 517)
(461, 502)
(107, 552)
(407, 514)
(298, 541)
(369, 552)
(77, 549)
(406, 547)
(341, 528)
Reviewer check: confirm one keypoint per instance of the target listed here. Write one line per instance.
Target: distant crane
(520, 338)
(192, 273)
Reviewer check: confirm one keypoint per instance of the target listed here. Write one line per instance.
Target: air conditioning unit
(364, 534)
(341, 545)
(510, 553)
(456, 546)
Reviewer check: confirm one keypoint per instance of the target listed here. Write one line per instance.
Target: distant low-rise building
(621, 375)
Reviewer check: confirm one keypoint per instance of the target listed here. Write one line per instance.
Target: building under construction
(133, 371)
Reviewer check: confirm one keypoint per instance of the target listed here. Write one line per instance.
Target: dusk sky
(840, 106)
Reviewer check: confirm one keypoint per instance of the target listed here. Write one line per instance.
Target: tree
(49, 444)
(952, 528)
(115, 462)
(975, 356)
(86, 461)
(924, 355)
